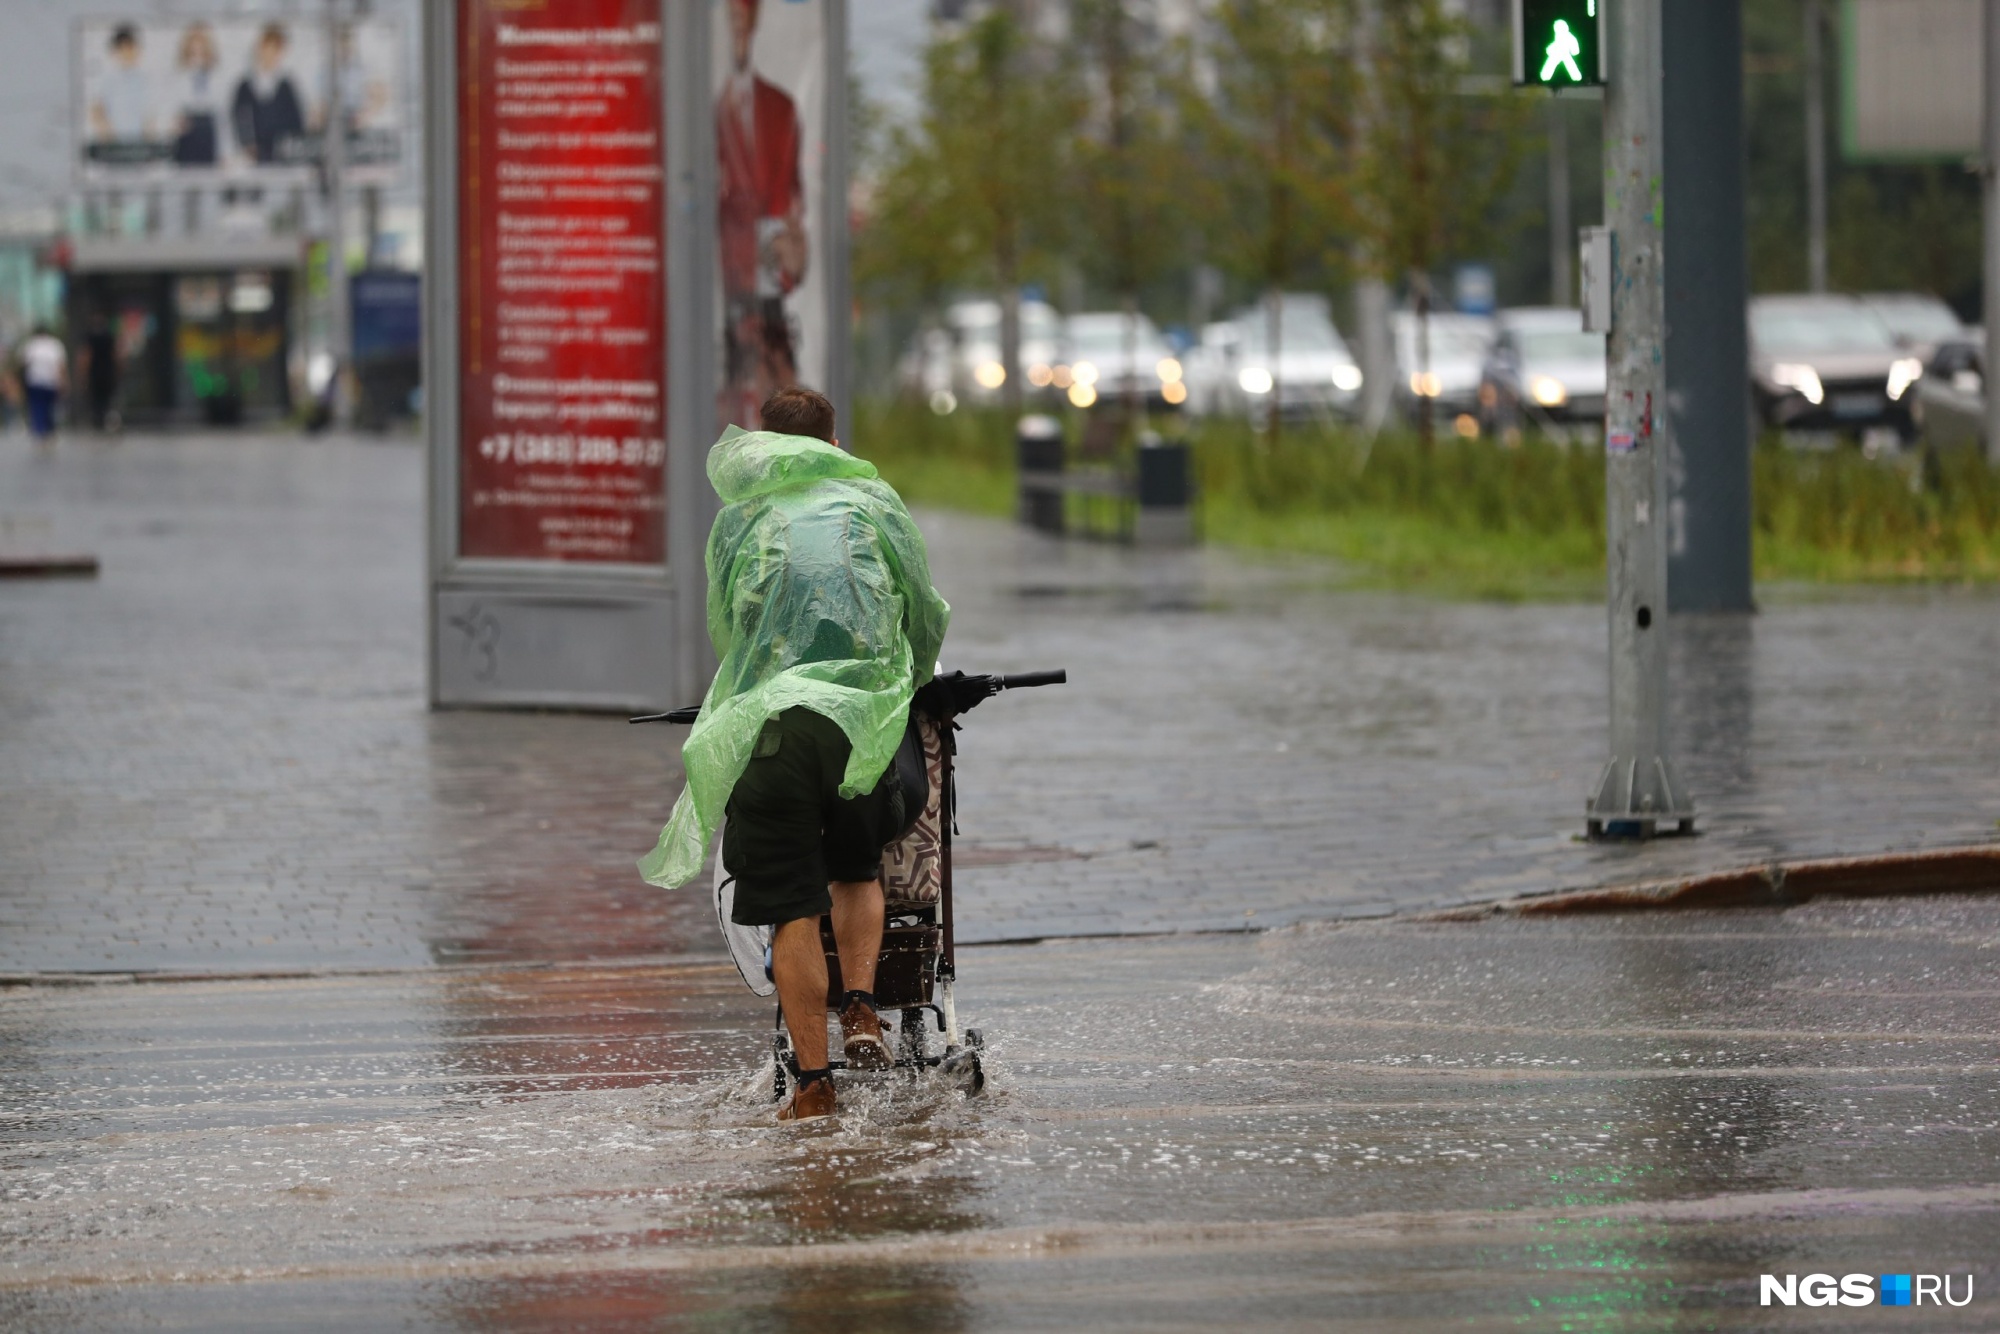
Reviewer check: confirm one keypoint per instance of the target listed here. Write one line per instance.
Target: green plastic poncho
(819, 594)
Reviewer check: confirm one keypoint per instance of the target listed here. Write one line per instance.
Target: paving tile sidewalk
(216, 755)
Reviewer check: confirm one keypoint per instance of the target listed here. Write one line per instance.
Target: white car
(961, 362)
(1916, 320)
(1113, 355)
(1543, 368)
(1442, 358)
(1232, 371)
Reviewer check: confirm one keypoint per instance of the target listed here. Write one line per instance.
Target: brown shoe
(861, 1034)
(810, 1100)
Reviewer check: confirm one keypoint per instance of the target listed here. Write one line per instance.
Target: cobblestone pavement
(1365, 1125)
(216, 755)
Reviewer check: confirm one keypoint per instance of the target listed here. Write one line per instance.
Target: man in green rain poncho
(821, 609)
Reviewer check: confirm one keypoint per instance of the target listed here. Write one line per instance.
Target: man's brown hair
(799, 411)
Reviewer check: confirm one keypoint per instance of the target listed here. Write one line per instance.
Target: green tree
(1268, 106)
(964, 197)
(1433, 159)
(1127, 192)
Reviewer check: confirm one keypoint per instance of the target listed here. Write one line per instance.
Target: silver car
(1232, 371)
(1113, 355)
(1443, 360)
(1545, 369)
(1829, 363)
(1916, 320)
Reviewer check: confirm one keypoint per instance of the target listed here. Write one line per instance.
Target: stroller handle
(686, 715)
(1022, 680)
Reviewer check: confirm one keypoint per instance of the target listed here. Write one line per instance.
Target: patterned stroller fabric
(912, 868)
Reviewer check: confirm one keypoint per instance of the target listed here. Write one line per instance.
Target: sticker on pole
(1619, 442)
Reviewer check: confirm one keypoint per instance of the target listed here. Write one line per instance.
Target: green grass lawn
(1472, 519)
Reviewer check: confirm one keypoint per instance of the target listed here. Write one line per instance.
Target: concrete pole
(1991, 316)
(1562, 231)
(1637, 793)
(333, 140)
(1815, 146)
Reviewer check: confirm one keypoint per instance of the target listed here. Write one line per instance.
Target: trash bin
(1165, 493)
(1038, 457)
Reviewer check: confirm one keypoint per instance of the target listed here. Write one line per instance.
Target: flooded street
(1376, 1123)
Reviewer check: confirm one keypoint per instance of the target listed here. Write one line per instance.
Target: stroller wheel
(963, 1066)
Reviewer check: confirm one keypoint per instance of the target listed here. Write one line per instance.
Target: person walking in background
(44, 376)
(100, 373)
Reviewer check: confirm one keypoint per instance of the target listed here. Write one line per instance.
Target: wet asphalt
(319, 1011)
(1608, 1122)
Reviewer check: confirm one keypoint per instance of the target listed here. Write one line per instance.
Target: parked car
(1951, 398)
(1111, 355)
(1232, 371)
(1446, 365)
(1543, 369)
(961, 362)
(977, 372)
(1916, 320)
(1829, 363)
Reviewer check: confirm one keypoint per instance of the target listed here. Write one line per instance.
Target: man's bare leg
(857, 930)
(857, 933)
(798, 966)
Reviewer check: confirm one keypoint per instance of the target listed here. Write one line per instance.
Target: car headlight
(1169, 371)
(1040, 376)
(1904, 372)
(1549, 391)
(1347, 378)
(990, 374)
(1084, 372)
(1175, 392)
(1802, 378)
(1426, 384)
(1254, 379)
(1082, 395)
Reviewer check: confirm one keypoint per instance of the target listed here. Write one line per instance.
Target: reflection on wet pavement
(217, 756)
(1614, 1122)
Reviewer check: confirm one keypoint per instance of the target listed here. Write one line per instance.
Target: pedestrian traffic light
(1559, 43)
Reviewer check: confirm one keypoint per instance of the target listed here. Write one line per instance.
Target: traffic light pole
(1638, 795)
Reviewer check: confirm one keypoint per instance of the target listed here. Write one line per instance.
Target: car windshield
(1105, 336)
(1560, 345)
(1919, 320)
(1448, 341)
(981, 323)
(1295, 334)
(1829, 328)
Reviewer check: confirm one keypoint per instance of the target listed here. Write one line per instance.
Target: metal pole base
(1637, 799)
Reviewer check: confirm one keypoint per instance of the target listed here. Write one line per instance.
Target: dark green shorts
(789, 831)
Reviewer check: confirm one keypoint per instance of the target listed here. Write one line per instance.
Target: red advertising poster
(562, 281)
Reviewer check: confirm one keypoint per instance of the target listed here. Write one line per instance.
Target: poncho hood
(745, 464)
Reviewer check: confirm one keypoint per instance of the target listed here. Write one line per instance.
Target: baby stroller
(917, 969)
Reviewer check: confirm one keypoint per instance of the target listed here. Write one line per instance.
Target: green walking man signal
(1559, 43)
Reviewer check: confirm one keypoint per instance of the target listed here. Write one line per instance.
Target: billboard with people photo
(233, 99)
(769, 83)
